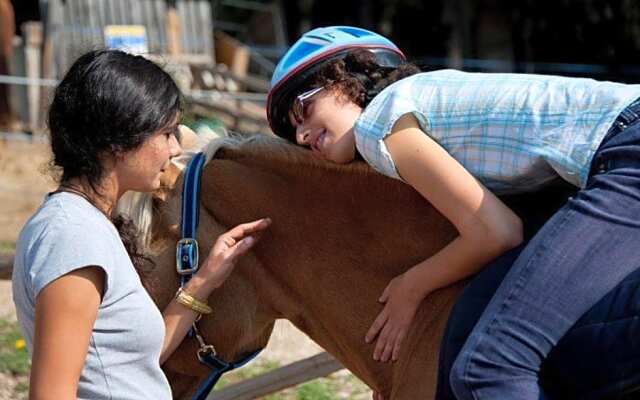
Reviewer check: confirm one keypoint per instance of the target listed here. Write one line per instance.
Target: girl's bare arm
(487, 227)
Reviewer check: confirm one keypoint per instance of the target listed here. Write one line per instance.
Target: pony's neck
(338, 237)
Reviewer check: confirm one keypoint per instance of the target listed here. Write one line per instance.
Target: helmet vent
(299, 52)
(354, 32)
(318, 39)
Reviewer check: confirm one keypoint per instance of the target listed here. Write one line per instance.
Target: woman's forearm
(212, 273)
(178, 318)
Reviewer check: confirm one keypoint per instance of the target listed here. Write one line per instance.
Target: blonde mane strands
(272, 150)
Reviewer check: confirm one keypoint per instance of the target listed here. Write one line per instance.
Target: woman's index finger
(248, 228)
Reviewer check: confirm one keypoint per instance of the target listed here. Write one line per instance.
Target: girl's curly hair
(359, 77)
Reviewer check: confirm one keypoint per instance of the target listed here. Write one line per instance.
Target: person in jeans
(461, 139)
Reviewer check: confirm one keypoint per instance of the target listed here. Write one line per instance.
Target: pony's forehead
(205, 140)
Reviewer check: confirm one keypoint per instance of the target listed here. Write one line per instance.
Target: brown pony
(339, 234)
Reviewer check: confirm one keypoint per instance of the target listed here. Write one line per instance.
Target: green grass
(22, 387)
(13, 360)
(7, 247)
(319, 389)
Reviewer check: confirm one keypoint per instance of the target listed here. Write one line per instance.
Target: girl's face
(140, 169)
(327, 126)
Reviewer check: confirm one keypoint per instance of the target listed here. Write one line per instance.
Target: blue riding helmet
(308, 55)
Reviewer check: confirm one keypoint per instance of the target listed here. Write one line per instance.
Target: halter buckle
(206, 351)
(187, 256)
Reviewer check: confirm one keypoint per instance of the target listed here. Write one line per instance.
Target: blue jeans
(597, 359)
(585, 250)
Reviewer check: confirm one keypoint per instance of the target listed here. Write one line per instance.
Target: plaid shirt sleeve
(376, 123)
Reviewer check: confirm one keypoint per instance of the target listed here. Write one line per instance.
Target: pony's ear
(167, 182)
(188, 138)
(190, 142)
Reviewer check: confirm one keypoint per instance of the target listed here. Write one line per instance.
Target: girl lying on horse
(461, 139)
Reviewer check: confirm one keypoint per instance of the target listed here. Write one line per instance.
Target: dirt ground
(22, 187)
(23, 183)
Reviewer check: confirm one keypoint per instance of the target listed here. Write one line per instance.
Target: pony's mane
(138, 206)
(274, 150)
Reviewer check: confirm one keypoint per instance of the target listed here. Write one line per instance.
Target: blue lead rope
(218, 367)
(187, 256)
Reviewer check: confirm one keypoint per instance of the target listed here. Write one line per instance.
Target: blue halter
(187, 264)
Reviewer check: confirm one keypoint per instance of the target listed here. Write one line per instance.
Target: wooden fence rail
(293, 374)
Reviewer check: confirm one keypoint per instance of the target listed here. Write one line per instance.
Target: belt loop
(629, 115)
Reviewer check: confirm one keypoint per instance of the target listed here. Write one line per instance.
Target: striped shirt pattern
(513, 132)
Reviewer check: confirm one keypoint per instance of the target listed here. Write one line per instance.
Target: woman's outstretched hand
(392, 324)
(229, 247)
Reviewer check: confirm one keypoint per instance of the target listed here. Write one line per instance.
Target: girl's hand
(229, 247)
(393, 322)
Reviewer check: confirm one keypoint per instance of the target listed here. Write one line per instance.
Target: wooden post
(32, 32)
(310, 368)
(7, 30)
(50, 20)
(233, 53)
(173, 29)
(459, 13)
(278, 23)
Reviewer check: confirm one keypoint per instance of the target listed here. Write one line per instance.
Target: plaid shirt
(513, 132)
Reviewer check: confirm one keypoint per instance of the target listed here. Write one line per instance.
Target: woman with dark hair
(460, 139)
(91, 328)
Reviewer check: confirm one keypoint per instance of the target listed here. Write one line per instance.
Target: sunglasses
(299, 104)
